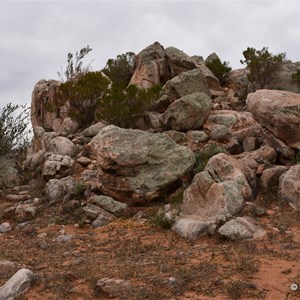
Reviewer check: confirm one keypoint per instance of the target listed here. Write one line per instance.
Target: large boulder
(138, 166)
(44, 109)
(187, 113)
(62, 146)
(151, 67)
(57, 166)
(216, 194)
(279, 113)
(179, 61)
(184, 84)
(289, 186)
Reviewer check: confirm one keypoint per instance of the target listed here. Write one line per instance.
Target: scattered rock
(92, 211)
(57, 166)
(187, 113)
(103, 218)
(25, 212)
(84, 161)
(270, 177)
(108, 203)
(5, 227)
(289, 186)
(93, 129)
(64, 238)
(16, 285)
(242, 228)
(113, 287)
(62, 146)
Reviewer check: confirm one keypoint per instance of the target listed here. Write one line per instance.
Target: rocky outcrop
(216, 194)
(151, 67)
(279, 113)
(289, 187)
(62, 146)
(137, 166)
(187, 113)
(57, 166)
(182, 85)
(179, 61)
(44, 108)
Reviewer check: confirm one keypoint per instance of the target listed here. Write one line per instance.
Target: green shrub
(122, 106)
(218, 68)
(14, 128)
(79, 189)
(159, 219)
(263, 66)
(203, 156)
(120, 70)
(82, 95)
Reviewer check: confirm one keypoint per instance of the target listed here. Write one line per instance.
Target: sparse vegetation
(219, 69)
(120, 69)
(160, 219)
(122, 106)
(75, 64)
(82, 96)
(79, 189)
(14, 129)
(263, 66)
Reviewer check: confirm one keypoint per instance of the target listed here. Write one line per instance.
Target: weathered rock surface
(10, 175)
(187, 113)
(62, 146)
(242, 228)
(108, 203)
(270, 177)
(58, 190)
(44, 109)
(93, 130)
(179, 61)
(184, 84)
(279, 112)
(289, 186)
(25, 212)
(16, 285)
(57, 166)
(103, 218)
(138, 166)
(151, 67)
(114, 287)
(5, 227)
(216, 194)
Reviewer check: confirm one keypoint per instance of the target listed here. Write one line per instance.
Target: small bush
(122, 106)
(120, 70)
(218, 68)
(82, 96)
(263, 66)
(160, 219)
(79, 189)
(14, 129)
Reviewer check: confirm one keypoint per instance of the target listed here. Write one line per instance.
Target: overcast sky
(36, 36)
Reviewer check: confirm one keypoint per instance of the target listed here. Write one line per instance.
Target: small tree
(120, 70)
(14, 129)
(263, 66)
(75, 64)
(218, 68)
(82, 95)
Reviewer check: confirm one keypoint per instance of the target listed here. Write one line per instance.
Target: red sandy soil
(148, 256)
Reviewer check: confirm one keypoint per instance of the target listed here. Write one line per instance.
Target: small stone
(5, 227)
(109, 204)
(63, 238)
(84, 161)
(103, 218)
(113, 287)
